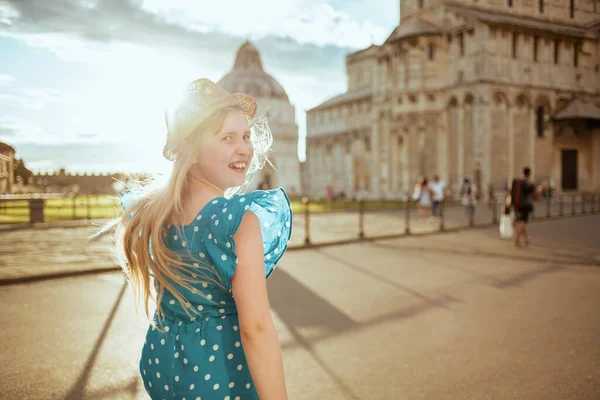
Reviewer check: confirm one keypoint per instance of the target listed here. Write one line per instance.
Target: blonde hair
(143, 226)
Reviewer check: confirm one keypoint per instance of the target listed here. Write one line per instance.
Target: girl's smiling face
(224, 156)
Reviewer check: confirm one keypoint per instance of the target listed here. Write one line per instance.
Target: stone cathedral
(466, 89)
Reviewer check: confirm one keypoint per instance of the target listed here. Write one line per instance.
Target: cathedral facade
(248, 76)
(466, 89)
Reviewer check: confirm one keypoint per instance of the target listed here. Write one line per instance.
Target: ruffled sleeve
(273, 210)
(128, 197)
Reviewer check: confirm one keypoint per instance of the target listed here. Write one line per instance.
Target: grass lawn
(107, 206)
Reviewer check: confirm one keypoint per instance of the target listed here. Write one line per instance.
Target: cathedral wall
(361, 74)
(478, 106)
(568, 137)
(536, 59)
(564, 11)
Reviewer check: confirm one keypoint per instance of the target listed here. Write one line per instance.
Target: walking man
(522, 193)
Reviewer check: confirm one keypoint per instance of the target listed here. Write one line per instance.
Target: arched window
(510, 3)
(420, 3)
(431, 51)
(572, 8)
(539, 121)
(541, 6)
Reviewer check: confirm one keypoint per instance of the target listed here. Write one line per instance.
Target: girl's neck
(199, 187)
(198, 193)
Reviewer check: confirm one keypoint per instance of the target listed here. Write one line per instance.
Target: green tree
(21, 170)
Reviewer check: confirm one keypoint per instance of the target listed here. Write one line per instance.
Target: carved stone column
(384, 151)
(375, 159)
(511, 142)
(460, 155)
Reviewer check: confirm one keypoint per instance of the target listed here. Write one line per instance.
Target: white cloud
(6, 79)
(136, 55)
(31, 99)
(307, 21)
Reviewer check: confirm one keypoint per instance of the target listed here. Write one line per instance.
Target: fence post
(361, 219)
(36, 210)
(472, 215)
(441, 211)
(560, 205)
(407, 217)
(582, 204)
(573, 204)
(548, 205)
(88, 198)
(74, 206)
(494, 210)
(306, 221)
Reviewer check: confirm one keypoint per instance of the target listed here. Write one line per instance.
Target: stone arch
(500, 99)
(542, 112)
(561, 103)
(543, 101)
(469, 99)
(453, 102)
(522, 100)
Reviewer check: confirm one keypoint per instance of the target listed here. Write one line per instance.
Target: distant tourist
(522, 193)
(423, 196)
(468, 196)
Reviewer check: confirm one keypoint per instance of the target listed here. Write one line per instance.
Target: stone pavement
(463, 315)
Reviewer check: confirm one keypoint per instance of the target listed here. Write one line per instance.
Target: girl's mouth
(240, 166)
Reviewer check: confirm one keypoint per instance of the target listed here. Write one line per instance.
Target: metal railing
(34, 208)
(319, 221)
(452, 216)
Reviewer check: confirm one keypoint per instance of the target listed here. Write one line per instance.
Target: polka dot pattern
(273, 210)
(200, 355)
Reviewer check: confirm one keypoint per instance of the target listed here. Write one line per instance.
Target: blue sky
(83, 83)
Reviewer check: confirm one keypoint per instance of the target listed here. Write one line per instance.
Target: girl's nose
(244, 149)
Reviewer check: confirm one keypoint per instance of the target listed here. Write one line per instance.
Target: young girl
(207, 250)
(423, 196)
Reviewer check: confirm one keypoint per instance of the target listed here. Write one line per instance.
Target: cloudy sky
(83, 83)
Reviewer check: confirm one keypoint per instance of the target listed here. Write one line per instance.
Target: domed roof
(248, 76)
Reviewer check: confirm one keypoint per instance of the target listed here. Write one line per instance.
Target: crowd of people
(430, 195)
(519, 200)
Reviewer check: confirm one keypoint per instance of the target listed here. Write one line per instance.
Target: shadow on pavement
(527, 276)
(78, 391)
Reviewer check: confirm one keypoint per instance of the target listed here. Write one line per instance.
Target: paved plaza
(461, 315)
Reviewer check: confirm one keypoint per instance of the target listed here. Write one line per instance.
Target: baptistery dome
(248, 76)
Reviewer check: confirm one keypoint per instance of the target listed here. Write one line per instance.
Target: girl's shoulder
(273, 210)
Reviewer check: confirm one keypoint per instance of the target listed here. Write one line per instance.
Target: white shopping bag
(506, 227)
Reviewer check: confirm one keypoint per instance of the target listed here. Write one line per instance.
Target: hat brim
(185, 117)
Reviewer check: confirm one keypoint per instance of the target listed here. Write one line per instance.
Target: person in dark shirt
(522, 194)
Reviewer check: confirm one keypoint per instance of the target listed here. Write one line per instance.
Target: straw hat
(200, 99)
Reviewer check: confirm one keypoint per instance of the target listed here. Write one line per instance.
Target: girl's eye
(227, 138)
(246, 137)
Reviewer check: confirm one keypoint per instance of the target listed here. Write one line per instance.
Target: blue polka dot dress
(201, 356)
